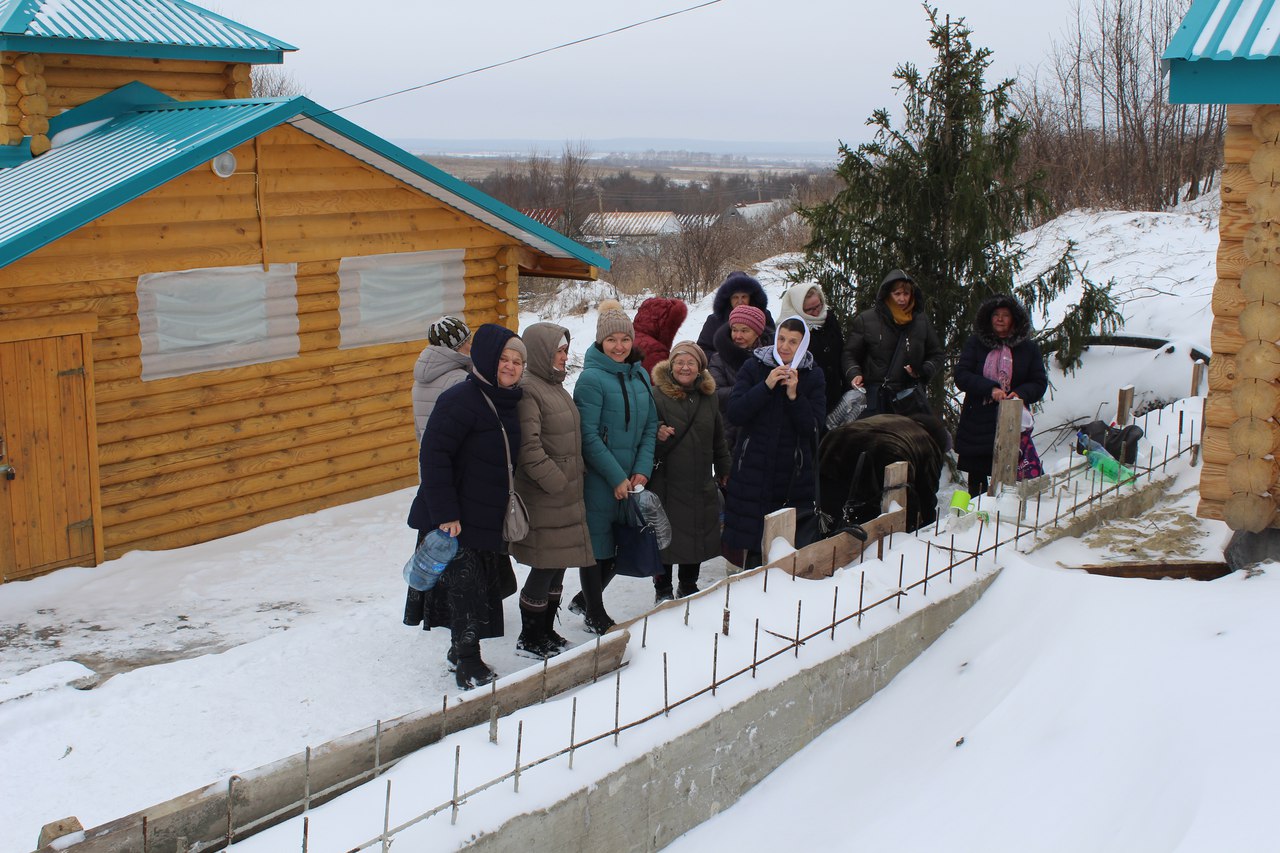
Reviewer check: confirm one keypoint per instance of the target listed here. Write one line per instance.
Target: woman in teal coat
(619, 430)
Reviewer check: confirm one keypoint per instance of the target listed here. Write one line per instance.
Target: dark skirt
(468, 597)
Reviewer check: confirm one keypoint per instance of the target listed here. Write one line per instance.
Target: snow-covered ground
(1096, 713)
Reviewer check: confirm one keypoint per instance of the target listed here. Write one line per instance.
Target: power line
(513, 60)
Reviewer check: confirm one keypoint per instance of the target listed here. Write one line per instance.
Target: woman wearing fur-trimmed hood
(1000, 360)
(691, 456)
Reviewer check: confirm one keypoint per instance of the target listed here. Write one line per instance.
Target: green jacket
(619, 430)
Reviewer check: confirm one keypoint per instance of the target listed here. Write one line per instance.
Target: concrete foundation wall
(655, 799)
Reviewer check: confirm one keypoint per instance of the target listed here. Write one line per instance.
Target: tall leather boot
(595, 620)
(549, 622)
(533, 641)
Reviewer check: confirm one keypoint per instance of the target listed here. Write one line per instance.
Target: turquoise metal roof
(1226, 52)
(151, 28)
(115, 148)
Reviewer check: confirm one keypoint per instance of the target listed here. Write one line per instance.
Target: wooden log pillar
(26, 109)
(1124, 405)
(1197, 376)
(1004, 458)
(508, 288)
(895, 486)
(779, 523)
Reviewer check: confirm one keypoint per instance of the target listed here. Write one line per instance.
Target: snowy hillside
(1093, 710)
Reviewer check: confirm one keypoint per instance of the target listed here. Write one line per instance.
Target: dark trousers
(688, 574)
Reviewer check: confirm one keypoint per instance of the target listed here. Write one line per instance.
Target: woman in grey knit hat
(619, 429)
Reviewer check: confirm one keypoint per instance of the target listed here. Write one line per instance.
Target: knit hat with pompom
(612, 321)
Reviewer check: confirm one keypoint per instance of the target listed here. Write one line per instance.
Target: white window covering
(391, 298)
(209, 319)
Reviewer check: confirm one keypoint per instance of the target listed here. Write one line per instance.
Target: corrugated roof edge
(138, 96)
(19, 15)
(448, 182)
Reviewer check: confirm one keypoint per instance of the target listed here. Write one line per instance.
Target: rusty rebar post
(755, 648)
(902, 564)
(835, 603)
(519, 746)
(1164, 466)
(644, 632)
(977, 549)
(573, 725)
(686, 612)
(995, 551)
(146, 836)
(231, 790)
(862, 589)
(377, 746)
(617, 704)
(666, 700)
(799, 605)
(457, 765)
(493, 724)
(928, 552)
(306, 782)
(715, 660)
(306, 833)
(386, 820)
(444, 713)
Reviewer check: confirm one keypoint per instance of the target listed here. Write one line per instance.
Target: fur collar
(666, 383)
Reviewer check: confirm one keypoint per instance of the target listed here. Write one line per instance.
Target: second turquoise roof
(144, 28)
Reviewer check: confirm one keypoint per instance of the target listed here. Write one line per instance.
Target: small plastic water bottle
(427, 563)
(1103, 462)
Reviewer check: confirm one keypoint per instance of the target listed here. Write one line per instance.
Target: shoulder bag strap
(506, 445)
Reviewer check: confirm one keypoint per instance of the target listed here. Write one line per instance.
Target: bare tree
(1100, 126)
(273, 81)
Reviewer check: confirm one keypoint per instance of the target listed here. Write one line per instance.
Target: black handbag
(902, 401)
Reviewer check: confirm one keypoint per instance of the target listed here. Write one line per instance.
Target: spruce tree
(940, 197)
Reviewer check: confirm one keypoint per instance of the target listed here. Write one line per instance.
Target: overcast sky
(788, 70)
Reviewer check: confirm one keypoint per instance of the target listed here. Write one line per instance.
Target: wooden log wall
(192, 458)
(35, 87)
(1240, 478)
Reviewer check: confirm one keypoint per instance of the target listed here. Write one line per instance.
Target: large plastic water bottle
(427, 563)
(1103, 462)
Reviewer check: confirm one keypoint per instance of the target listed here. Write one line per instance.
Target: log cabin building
(1226, 52)
(211, 304)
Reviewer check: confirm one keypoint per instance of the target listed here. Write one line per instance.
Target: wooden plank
(1238, 145)
(1004, 463)
(1241, 115)
(103, 307)
(1213, 482)
(311, 203)
(285, 250)
(166, 443)
(1235, 221)
(1225, 336)
(327, 179)
(780, 523)
(233, 411)
(217, 469)
(238, 524)
(1231, 258)
(8, 436)
(1228, 298)
(396, 355)
(167, 81)
(1124, 405)
(127, 63)
(1236, 183)
(46, 327)
(394, 473)
(43, 266)
(1201, 570)
(1222, 373)
(1198, 372)
(1211, 509)
(144, 239)
(136, 501)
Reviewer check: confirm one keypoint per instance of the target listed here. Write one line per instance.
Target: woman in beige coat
(549, 479)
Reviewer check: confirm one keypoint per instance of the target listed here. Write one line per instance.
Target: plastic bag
(645, 510)
(848, 408)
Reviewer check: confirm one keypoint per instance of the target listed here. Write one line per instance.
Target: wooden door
(48, 476)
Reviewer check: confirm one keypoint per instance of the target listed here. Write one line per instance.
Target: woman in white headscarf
(826, 338)
(777, 404)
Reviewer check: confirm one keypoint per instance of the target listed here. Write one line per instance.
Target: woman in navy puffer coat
(777, 403)
(464, 493)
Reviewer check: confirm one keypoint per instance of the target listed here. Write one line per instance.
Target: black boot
(533, 641)
(472, 671)
(688, 579)
(595, 620)
(549, 622)
(662, 587)
(413, 607)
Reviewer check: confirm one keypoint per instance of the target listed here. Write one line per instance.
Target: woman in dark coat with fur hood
(738, 289)
(1000, 360)
(691, 456)
(463, 492)
(868, 360)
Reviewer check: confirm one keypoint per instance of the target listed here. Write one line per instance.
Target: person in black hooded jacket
(738, 289)
(463, 491)
(869, 351)
(999, 361)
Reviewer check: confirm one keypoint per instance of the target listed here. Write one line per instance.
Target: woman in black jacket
(999, 361)
(737, 289)
(463, 491)
(871, 359)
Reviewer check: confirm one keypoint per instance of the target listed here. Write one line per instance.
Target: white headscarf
(798, 359)
(792, 302)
